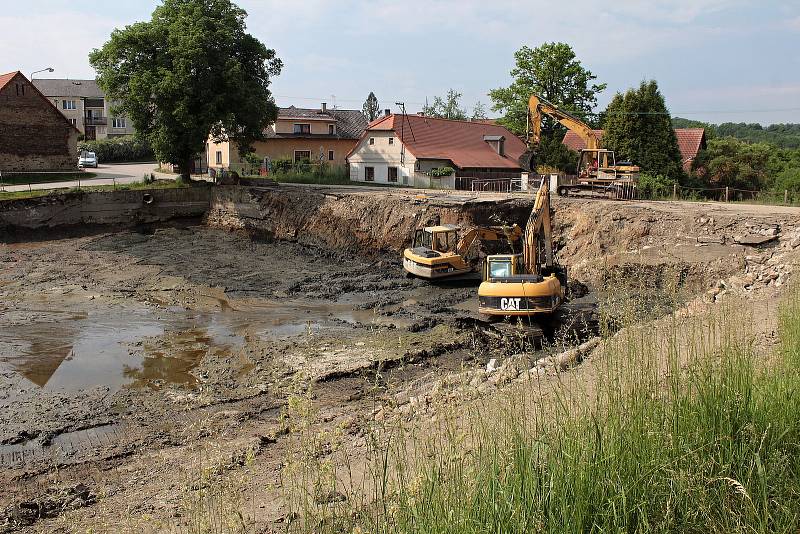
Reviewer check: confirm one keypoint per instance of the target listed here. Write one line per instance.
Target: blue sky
(715, 60)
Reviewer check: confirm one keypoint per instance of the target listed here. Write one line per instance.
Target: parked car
(87, 159)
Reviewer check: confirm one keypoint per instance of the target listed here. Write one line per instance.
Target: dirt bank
(126, 354)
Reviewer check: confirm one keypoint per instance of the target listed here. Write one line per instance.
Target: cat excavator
(597, 170)
(438, 252)
(530, 283)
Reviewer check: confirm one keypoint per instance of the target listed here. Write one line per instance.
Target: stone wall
(117, 208)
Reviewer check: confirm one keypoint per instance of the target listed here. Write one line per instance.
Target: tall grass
(679, 426)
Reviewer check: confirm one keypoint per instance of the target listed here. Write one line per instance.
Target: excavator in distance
(597, 168)
(527, 284)
(438, 252)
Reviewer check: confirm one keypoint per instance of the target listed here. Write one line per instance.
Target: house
(406, 149)
(84, 104)
(690, 142)
(34, 136)
(299, 134)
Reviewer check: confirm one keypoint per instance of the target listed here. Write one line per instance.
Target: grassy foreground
(675, 429)
(25, 179)
(158, 184)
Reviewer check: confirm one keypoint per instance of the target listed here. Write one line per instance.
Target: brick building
(34, 135)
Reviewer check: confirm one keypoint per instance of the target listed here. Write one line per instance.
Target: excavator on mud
(527, 284)
(438, 251)
(597, 171)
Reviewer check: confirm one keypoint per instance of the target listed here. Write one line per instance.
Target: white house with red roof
(404, 149)
(690, 142)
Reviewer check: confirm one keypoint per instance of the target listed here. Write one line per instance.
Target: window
(369, 174)
(331, 129)
(118, 122)
(391, 140)
(73, 122)
(302, 128)
(372, 140)
(303, 156)
(20, 89)
(219, 157)
(392, 174)
(330, 155)
(68, 104)
(500, 268)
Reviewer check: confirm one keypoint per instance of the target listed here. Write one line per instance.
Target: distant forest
(780, 135)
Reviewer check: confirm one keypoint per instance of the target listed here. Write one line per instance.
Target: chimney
(324, 107)
(387, 112)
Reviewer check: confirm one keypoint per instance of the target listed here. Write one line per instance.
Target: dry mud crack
(128, 353)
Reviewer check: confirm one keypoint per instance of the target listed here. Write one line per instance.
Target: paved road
(108, 174)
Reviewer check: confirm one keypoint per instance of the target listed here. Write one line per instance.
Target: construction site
(131, 353)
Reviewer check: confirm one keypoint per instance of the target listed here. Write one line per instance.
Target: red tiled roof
(5, 78)
(690, 142)
(458, 141)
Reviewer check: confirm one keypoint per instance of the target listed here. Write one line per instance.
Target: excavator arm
(491, 233)
(538, 232)
(537, 107)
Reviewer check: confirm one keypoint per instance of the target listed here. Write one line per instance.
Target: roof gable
(462, 142)
(5, 79)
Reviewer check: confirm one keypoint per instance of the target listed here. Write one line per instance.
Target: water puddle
(138, 346)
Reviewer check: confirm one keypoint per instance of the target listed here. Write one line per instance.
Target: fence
(730, 194)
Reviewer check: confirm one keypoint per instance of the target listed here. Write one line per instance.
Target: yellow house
(300, 134)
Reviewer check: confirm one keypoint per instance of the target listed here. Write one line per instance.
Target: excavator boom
(538, 105)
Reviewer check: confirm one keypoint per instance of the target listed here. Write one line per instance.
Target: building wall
(318, 127)
(79, 114)
(381, 155)
(33, 136)
(281, 148)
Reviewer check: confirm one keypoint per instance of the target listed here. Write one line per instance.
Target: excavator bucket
(528, 161)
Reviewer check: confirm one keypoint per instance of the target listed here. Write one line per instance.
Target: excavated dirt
(122, 354)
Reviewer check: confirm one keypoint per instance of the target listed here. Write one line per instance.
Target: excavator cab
(436, 238)
(597, 164)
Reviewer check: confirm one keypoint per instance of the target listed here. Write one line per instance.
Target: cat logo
(510, 304)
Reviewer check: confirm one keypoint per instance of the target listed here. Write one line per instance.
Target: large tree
(553, 72)
(192, 69)
(638, 128)
(448, 107)
(371, 108)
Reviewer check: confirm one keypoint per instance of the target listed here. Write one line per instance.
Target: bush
(441, 171)
(282, 165)
(119, 149)
(655, 186)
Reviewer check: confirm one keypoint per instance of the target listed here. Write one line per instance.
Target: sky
(714, 60)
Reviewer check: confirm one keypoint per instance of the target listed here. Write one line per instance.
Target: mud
(123, 350)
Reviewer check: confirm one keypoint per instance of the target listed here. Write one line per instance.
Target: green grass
(158, 184)
(332, 176)
(24, 179)
(679, 427)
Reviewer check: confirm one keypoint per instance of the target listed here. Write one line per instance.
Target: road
(106, 174)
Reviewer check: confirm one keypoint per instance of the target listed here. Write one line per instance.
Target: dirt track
(123, 353)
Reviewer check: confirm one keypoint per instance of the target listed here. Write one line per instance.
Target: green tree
(192, 69)
(448, 107)
(479, 111)
(553, 72)
(371, 107)
(638, 128)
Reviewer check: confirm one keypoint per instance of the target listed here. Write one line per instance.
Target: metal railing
(95, 121)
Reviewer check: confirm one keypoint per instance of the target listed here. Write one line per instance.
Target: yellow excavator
(530, 283)
(597, 169)
(439, 252)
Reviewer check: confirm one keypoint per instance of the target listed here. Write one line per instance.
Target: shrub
(119, 149)
(281, 165)
(655, 186)
(441, 171)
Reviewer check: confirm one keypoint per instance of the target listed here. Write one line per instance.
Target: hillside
(780, 135)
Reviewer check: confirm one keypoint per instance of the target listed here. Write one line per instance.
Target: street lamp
(48, 69)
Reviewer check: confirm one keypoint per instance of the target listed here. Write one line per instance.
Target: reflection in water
(133, 346)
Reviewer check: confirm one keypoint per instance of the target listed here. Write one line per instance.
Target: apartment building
(84, 105)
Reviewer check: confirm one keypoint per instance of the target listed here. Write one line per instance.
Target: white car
(88, 159)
